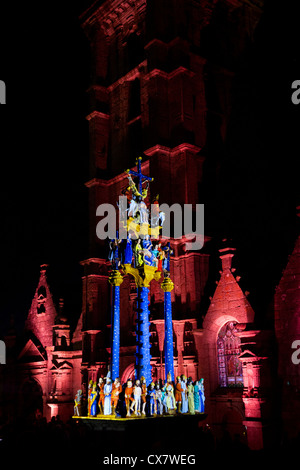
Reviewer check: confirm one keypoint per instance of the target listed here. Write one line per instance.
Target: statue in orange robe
(90, 387)
(101, 394)
(178, 396)
(144, 394)
(128, 396)
(115, 393)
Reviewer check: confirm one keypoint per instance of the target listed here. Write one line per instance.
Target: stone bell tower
(158, 89)
(147, 95)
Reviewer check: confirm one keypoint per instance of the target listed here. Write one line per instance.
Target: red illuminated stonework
(47, 368)
(287, 329)
(162, 88)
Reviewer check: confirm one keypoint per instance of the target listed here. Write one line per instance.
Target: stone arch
(42, 292)
(63, 341)
(188, 339)
(232, 422)
(41, 299)
(211, 327)
(228, 352)
(128, 373)
(250, 379)
(31, 399)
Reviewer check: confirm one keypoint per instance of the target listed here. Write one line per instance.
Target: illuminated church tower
(162, 90)
(147, 97)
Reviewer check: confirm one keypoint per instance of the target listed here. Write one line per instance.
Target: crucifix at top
(140, 176)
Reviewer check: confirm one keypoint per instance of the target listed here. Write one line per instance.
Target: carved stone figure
(78, 403)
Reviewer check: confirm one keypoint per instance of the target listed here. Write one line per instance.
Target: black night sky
(250, 190)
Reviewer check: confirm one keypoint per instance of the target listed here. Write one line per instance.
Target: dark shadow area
(74, 444)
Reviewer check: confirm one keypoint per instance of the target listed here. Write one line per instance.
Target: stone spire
(226, 254)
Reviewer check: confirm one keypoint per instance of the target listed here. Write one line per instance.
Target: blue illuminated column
(167, 286)
(115, 280)
(143, 366)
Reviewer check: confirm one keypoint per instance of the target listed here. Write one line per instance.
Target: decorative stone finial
(226, 255)
(43, 268)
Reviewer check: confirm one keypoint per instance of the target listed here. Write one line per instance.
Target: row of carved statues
(140, 252)
(136, 399)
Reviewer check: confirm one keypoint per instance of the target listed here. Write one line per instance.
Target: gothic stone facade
(161, 76)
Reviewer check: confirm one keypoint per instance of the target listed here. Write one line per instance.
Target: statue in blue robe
(93, 398)
(149, 257)
(201, 395)
(152, 399)
(113, 255)
(166, 259)
(184, 396)
(128, 253)
(196, 396)
(107, 397)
